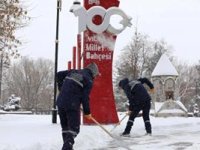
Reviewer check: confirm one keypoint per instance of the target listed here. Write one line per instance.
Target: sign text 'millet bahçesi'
(95, 50)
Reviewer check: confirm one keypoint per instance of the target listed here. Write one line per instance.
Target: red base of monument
(102, 103)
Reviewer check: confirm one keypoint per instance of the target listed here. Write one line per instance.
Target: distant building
(166, 100)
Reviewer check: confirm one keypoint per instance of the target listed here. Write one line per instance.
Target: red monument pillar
(98, 46)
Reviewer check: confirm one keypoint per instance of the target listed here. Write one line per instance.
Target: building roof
(164, 67)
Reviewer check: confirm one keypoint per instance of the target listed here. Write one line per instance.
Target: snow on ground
(36, 132)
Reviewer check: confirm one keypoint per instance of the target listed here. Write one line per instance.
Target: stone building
(166, 100)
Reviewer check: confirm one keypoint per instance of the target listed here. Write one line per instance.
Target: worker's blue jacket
(74, 87)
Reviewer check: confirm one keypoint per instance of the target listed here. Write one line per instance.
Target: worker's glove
(129, 112)
(152, 91)
(89, 116)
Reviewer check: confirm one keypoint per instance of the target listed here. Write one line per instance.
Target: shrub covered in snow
(13, 103)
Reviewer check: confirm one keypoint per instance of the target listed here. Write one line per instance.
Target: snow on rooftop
(164, 107)
(158, 105)
(182, 106)
(164, 67)
(171, 111)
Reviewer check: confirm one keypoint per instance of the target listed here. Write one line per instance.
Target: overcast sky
(175, 21)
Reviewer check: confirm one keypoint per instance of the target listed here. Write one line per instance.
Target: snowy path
(177, 137)
(36, 132)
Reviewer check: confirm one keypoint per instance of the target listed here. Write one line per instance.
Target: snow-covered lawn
(36, 132)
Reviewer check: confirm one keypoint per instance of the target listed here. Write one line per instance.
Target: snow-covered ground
(36, 132)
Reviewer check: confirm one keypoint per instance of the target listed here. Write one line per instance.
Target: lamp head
(75, 5)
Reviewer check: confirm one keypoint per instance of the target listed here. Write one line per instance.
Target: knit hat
(123, 83)
(94, 69)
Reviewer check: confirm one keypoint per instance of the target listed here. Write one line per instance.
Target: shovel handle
(92, 118)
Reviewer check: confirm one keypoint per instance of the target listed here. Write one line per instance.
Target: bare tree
(140, 57)
(197, 83)
(13, 16)
(186, 84)
(32, 80)
(133, 58)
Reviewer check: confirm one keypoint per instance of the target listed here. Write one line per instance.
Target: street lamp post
(54, 110)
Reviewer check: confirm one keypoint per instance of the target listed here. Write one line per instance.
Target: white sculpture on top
(86, 18)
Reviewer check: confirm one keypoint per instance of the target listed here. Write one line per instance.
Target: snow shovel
(119, 141)
(119, 122)
(95, 121)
